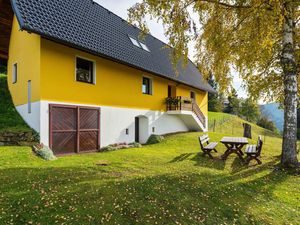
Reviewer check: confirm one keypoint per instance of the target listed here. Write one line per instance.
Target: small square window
(145, 47)
(147, 86)
(85, 70)
(135, 42)
(15, 73)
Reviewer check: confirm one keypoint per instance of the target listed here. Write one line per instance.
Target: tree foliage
(267, 124)
(233, 105)
(249, 110)
(229, 34)
(260, 39)
(215, 100)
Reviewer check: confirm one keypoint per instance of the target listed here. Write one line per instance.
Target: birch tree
(260, 39)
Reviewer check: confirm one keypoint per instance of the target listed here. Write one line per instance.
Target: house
(81, 76)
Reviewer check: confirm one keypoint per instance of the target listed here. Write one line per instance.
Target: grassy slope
(230, 124)
(166, 183)
(10, 120)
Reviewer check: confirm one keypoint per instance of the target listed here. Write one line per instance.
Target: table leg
(239, 152)
(228, 151)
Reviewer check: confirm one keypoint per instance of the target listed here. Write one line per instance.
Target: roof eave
(23, 26)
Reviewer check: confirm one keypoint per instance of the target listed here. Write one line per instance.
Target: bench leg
(207, 153)
(249, 158)
(258, 160)
(215, 150)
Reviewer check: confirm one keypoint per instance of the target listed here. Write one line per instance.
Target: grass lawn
(167, 183)
(10, 120)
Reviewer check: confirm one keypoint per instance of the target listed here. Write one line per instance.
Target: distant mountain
(274, 113)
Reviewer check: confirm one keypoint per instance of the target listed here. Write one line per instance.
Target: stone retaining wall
(18, 138)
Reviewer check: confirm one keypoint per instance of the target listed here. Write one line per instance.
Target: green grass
(230, 124)
(10, 120)
(166, 183)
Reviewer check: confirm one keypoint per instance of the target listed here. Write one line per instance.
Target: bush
(155, 139)
(118, 146)
(44, 152)
(135, 145)
(264, 122)
(3, 69)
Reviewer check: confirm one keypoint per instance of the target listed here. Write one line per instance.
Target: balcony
(189, 111)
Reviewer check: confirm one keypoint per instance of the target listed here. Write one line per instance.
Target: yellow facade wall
(116, 85)
(24, 49)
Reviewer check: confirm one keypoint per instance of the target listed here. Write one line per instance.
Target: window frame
(15, 73)
(150, 92)
(135, 42)
(93, 70)
(29, 93)
(194, 94)
(144, 46)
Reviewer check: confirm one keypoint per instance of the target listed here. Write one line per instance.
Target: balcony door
(193, 96)
(171, 91)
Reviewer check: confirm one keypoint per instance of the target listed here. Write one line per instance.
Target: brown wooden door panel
(89, 118)
(74, 129)
(64, 143)
(88, 141)
(64, 119)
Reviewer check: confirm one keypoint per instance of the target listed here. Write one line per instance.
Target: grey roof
(85, 25)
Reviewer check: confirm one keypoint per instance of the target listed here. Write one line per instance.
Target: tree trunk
(288, 63)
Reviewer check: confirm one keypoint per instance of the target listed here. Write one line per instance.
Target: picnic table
(234, 145)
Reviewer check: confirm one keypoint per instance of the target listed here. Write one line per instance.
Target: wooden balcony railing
(184, 103)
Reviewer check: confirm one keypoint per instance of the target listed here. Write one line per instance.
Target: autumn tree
(233, 105)
(215, 100)
(258, 38)
(249, 110)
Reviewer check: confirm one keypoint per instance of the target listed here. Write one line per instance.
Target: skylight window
(144, 46)
(135, 42)
(139, 44)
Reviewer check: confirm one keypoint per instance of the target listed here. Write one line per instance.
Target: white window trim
(144, 46)
(15, 78)
(133, 40)
(151, 84)
(94, 68)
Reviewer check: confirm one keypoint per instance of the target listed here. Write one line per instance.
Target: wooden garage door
(74, 129)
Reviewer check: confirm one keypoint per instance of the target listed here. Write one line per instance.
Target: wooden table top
(234, 140)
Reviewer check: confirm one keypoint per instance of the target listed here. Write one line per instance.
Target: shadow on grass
(92, 196)
(201, 160)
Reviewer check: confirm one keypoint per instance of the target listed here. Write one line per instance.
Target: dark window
(147, 86)
(169, 91)
(15, 73)
(85, 70)
(29, 95)
(193, 95)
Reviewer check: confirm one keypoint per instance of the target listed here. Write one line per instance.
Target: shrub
(3, 69)
(135, 145)
(36, 136)
(44, 152)
(108, 148)
(267, 124)
(155, 139)
(118, 146)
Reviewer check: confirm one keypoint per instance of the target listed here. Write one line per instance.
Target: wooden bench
(253, 151)
(207, 147)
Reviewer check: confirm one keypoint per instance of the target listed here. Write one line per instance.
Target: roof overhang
(6, 19)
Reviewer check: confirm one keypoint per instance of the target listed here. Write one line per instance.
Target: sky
(120, 7)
